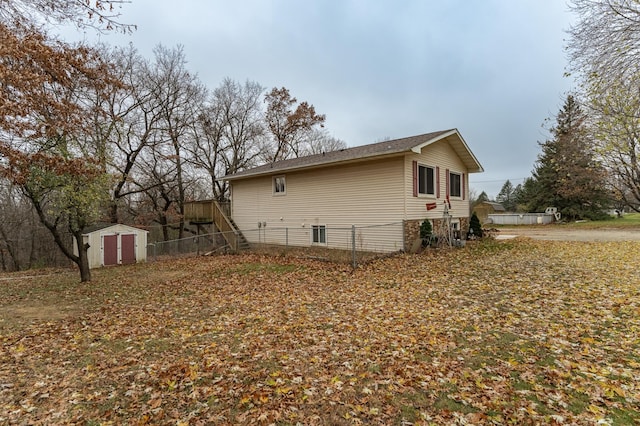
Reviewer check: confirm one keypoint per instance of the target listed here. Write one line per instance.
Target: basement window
(318, 234)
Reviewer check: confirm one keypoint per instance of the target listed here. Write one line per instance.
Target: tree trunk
(181, 192)
(165, 227)
(113, 211)
(83, 258)
(14, 251)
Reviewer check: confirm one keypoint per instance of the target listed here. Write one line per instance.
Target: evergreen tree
(566, 174)
(507, 196)
(517, 196)
(527, 195)
(477, 200)
(482, 197)
(475, 227)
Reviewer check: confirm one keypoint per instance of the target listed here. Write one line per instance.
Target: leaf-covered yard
(502, 332)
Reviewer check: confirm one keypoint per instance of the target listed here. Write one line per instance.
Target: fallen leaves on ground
(498, 332)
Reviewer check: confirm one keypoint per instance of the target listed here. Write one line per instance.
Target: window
(455, 184)
(279, 185)
(426, 180)
(319, 234)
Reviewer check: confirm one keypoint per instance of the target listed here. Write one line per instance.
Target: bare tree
(289, 125)
(179, 97)
(159, 203)
(98, 14)
(319, 141)
(24, 241)
(232, 132)
(205, 150)
(605, 41)
(616, 115)
(15, 221)
(131, 126)
(605, 50)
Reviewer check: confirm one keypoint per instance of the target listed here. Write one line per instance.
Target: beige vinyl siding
(440, 155)
(366, 193)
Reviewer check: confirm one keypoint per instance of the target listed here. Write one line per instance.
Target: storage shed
(115, 244)
(485, 208)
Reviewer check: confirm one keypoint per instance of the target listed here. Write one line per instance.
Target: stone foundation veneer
(412, 229)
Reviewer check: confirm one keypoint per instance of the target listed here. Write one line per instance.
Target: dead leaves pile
(510, 332)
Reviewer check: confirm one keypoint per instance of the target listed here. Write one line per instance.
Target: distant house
(114, 244)
(403, 181)
(485, 208)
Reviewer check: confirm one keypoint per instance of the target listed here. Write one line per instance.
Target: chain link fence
(348, 244)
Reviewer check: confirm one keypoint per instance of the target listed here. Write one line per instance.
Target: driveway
(559, 233)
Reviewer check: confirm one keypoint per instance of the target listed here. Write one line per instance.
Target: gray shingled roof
(96, 227)
(103, 225)
(362, 152)
(496, 206)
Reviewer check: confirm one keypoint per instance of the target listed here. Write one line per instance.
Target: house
(402, 181)
(114, 244)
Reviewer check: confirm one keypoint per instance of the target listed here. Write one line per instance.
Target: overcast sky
(493, 69)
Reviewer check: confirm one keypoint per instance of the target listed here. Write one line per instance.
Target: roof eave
(314, 166)
(460, 147)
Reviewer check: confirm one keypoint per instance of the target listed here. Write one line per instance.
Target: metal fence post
(286, 238)
(353, 245)
(153, 246)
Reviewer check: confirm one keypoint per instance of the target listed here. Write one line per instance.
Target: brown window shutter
(446, 176)
(437, 182)
(463, 187)
(415, 178)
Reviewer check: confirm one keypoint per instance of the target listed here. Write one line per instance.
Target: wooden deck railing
(211, 211)
(224, 225)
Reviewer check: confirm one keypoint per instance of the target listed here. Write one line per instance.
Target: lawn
(497, 332)
(629, 220)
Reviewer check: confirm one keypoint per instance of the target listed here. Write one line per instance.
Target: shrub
(425, 232)
(475, 226)
(425, 229)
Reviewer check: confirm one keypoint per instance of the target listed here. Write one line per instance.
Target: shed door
(128, 248)
(110, 249)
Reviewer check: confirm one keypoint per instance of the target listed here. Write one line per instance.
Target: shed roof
(496, 206)
(368, 152)
(102, 226)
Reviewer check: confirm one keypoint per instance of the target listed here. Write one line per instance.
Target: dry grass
(508, 332)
